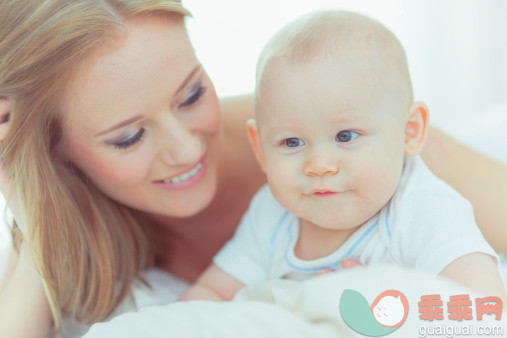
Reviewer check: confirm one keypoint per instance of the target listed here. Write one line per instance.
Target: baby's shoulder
(422, 200)
(265, 211)
(424, 204)
(419, 186)
(265, 204)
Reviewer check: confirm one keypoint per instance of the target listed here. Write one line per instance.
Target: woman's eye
(193, 97)
(131, 141)
(293, 142)
(346, 136)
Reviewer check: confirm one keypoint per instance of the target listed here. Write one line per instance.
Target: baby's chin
(350, 218)
(336, 222)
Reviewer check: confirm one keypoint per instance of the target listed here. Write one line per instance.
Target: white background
(457, 49)
(457, 52)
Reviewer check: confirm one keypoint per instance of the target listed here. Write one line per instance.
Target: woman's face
(142, 120)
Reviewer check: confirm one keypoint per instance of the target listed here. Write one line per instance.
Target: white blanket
(284, 308)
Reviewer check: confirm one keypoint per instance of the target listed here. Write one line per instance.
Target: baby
(338, 135)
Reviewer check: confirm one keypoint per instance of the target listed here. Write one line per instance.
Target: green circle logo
(386, 314)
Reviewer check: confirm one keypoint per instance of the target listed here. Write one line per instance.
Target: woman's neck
(186, 246)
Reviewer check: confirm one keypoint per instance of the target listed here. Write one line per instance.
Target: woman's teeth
(184, 177)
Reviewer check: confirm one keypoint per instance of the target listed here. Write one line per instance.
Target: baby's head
(334, 117)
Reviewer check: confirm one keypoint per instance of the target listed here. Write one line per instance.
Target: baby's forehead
(305, 116)
(367, 62)
(349, 87)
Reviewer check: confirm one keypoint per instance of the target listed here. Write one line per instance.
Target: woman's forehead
(131, 73)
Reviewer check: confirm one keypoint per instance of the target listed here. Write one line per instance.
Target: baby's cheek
(376, 178)
(282, 178)
(277, 179)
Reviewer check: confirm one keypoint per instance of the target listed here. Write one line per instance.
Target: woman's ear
(255, 141)
(416, 128)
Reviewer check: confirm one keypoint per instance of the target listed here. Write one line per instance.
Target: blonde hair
(87, 247)
(324, 34)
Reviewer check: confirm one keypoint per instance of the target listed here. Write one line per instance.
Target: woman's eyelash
(131, 141)
(196, 95)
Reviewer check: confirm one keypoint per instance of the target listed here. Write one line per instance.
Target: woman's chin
(191, 202)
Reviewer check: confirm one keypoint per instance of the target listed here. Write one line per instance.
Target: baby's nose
(321, 165)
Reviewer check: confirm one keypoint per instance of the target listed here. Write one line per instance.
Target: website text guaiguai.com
(461, 331)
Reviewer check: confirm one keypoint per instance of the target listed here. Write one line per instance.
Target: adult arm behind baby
(477, 271)
(480, 179)
(213, 284)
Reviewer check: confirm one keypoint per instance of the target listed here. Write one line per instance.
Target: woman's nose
(181, 146)
(320, 163)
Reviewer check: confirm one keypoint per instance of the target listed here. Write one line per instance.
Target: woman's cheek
(215, 118)
(124, 169)
(209, 114)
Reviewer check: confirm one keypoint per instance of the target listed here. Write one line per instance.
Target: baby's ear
(416, 128)
(255, 141)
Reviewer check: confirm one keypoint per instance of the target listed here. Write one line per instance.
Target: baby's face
(332, 140)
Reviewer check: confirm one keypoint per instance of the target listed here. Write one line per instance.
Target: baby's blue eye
(293, 142)
(346, 136)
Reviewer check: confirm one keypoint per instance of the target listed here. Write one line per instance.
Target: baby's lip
(323, 191)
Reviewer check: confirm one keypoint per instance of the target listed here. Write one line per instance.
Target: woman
(119, 159)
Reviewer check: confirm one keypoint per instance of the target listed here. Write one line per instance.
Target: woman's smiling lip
(190, 177)
(200, 162)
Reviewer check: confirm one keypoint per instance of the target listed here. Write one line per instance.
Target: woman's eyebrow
(138, 117)
(121, 124)
(188, 78)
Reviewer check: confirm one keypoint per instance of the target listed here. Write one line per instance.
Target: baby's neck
(316, 242)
